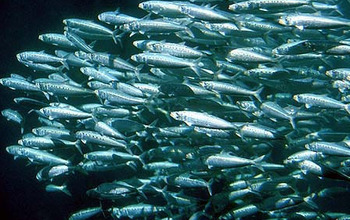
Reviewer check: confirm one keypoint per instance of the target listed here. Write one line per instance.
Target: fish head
(284, 20)
(101, 93)
(330, 73)
(21, 56)
(176, 115)
(154, 47)
(147, 6)
(89, 156)
(45, 112)
(105, 16)
(140, 58)
(234, 7)
(83, 69)
(185, 9)
(206, 85)
(140, 44)
(21, 142)
(297, 98)
(79, 135)
(3, 81)
(102, 17)
(42, 37)
(36, 131)
(13, 149)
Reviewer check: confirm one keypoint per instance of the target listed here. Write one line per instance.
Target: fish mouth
(137, 43)
(141, 5)
(134, 58)
(282, 21)
(296, 97)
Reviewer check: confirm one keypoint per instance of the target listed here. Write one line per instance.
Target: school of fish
(201, 109)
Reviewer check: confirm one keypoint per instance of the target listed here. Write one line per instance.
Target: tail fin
(137, 71)
(117, 37)
(347, 108)
(257, 94)
(292, 122)
(65, 190)
(197, 67)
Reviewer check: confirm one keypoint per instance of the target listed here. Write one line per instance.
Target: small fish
(36, 156)
(223, 161)
(310, 21)
(15, 116)
(320, 101)
(201, 119)
(59, 40)
(243, 55)
(85, 213)
(59, 113)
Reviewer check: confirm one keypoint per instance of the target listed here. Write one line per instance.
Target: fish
(189, 110)
(201, 119)
(15, 116)
(37, 156)
(320, 101)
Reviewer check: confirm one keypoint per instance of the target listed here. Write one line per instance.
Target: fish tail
(292, 122)
(132, 165)
(310, 203)
(137, 71)
(197, 67)
(189, 32)
(257, 94)
(77, 145)
(117, 37)
(347, 108)
(65, 64)
(65, 190)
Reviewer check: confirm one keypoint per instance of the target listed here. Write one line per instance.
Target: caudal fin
(257, 94)
(347, 108)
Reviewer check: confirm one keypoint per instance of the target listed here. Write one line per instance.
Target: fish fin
(65, 190)
(300, 27)
(117, 11)
(347, 108)
(117, 37)
(189, 32)
(137, 71)
(257, 94)
(65, 64)
(132, 165)
(197, 67)
(309, 202)
(292, 122)
(77, 145)
(307, 105)
(47, 96)
(146, 16)
(132, 34)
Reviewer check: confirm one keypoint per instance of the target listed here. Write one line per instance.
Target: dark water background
(21, 195)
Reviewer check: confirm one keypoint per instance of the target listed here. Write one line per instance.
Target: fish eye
(184, 9)
(155, 47)
(141, 58)
(144, 5)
